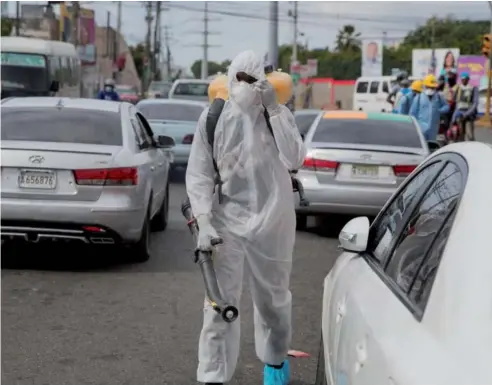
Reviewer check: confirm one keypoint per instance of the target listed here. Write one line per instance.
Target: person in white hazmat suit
(256, 219)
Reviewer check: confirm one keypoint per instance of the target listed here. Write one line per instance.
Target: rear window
(174, 111)
(304, 121)
(192, 89)
(367, 132)
(61, 125)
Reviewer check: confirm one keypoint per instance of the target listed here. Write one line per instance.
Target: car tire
(301, 222)
(320, 368)
(139, 252)
(159, 222)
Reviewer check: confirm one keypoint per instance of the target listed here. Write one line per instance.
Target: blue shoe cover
(272, 376)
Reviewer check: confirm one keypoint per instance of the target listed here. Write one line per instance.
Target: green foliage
(213, 67)
(7, 26)
(138, 54)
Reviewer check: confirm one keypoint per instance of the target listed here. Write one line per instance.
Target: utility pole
(157, 41)
(148, 20)
(76, 21)
(433, 57)
(273, 47)
(17, 18)
(168, 53)
(204, 73)
(118, 34)
(294, 15)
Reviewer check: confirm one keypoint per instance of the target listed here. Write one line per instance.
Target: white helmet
(109, 82)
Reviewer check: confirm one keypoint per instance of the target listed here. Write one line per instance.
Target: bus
(36, 67)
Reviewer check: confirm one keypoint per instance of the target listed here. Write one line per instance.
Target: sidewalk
(483, 134)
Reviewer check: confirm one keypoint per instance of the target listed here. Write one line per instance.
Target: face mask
(108, 89)
(430, 92)
(245, 95)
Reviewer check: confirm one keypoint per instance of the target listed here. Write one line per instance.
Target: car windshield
(61, 125)
(368, 132)
(27, 72)
(125, 90)
(159, 86)
(192, 89)
(175, 111)
(304, 121)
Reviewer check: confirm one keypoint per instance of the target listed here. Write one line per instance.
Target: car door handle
(361, 355)
(152, 168)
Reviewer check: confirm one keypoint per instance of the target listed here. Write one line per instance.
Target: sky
(239, 25)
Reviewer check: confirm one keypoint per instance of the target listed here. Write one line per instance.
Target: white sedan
(409, 301)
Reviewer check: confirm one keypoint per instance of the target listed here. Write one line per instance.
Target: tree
(347, 39)
(138, 54)
(213, 67)
(7, 26)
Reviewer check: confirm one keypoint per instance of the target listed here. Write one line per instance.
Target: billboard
(87, 32)
(475, 66)
(372, 58)
(428, 61)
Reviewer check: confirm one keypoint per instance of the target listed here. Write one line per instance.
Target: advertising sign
(425, 63)
(474, 66)
(87, 32)
(372, 58)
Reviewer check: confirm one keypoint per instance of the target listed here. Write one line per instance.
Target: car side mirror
(164, 141)
(55, 86)
(354, 235)
(433, 145)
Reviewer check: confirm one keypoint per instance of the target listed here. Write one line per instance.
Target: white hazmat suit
(256, 219)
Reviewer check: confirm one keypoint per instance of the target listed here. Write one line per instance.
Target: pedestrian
(403, 107)
(256, 219)
(466, 101)
(427, 108)
(108, 92)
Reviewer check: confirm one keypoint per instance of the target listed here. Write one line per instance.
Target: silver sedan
(82, 170)
(356, 161)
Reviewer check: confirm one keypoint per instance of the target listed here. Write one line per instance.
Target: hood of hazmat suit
(256, 218)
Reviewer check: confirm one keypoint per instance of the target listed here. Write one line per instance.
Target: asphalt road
(77, 317)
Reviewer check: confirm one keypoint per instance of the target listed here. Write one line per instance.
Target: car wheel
(320, 369)
(159, 222)
(140, 251)
(301, 222)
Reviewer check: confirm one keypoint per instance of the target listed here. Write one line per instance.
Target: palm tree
(347, 39)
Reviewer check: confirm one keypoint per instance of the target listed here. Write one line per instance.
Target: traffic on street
(231, 222)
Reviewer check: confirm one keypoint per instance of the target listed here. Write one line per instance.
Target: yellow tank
(282, 83)
(218, 88)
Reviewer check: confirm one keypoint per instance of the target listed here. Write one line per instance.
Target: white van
(370, 93)
(36, 67)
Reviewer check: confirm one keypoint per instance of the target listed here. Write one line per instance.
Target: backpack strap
(213, 116)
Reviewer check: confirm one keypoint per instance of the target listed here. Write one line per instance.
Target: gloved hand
(206, 233)
(268, 97)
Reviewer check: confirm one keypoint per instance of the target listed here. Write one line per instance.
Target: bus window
(385, 87)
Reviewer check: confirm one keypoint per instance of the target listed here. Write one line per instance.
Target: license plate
(37, 179)
(365, 171)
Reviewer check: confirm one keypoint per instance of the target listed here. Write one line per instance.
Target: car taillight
(188, 139)
(404, 170)
(126, 176)
(319, 164)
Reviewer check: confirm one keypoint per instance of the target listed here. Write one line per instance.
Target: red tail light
(319, 164)
(127, 176)
(188, 139)
(404, 170)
